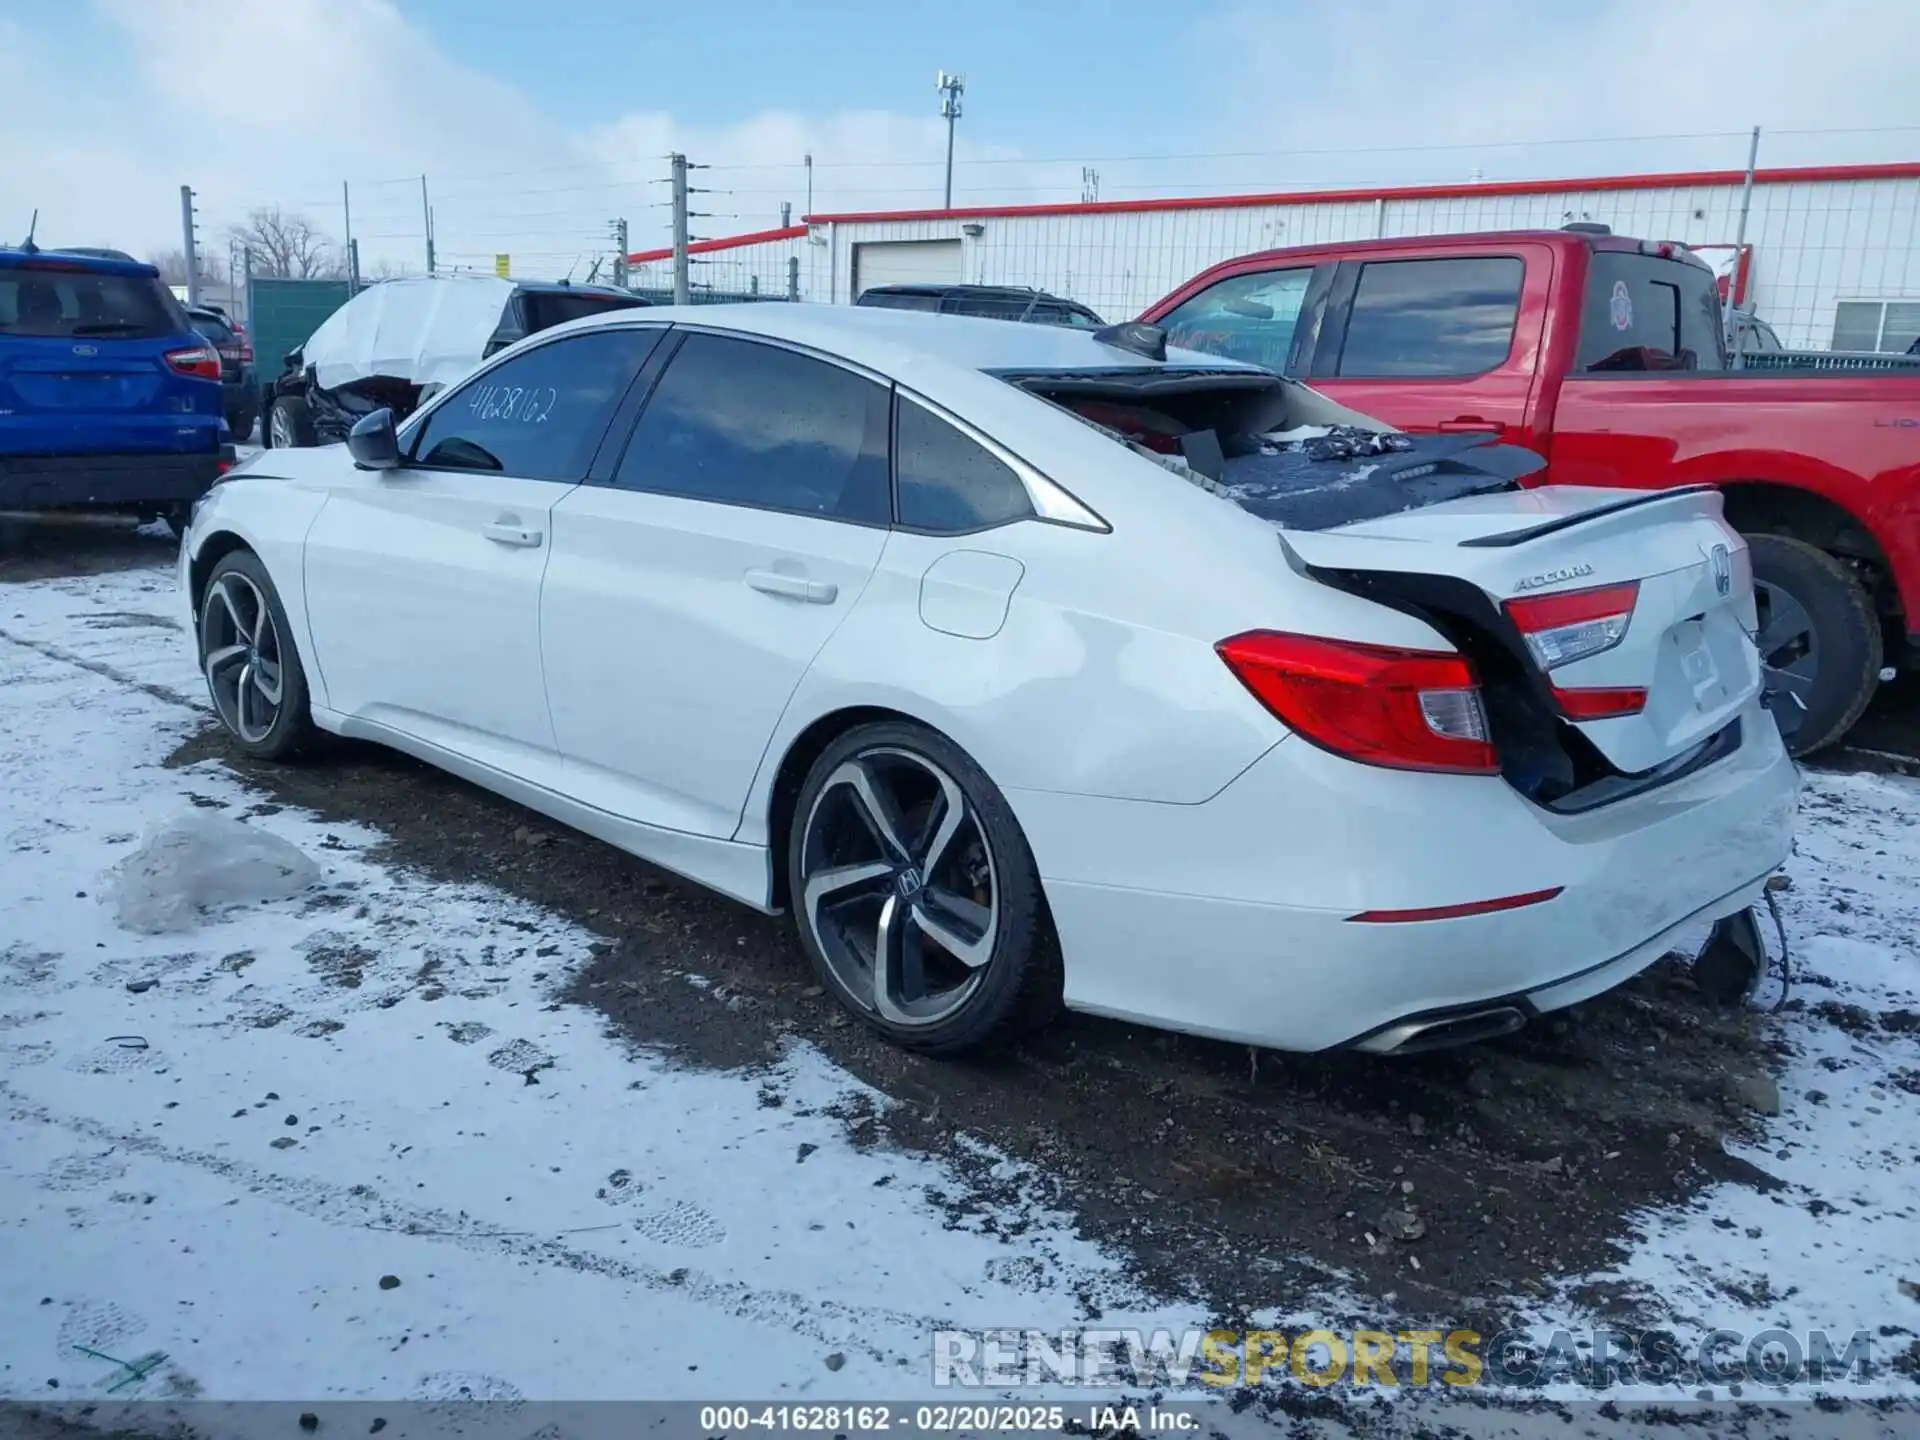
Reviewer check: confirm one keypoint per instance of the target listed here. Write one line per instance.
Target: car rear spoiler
(1567, 522)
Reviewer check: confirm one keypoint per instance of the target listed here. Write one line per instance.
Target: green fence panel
(282, 314)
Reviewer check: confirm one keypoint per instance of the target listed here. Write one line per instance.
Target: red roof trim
(730, 242)
(1901, 170)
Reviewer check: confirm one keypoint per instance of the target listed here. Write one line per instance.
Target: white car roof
(892, 341)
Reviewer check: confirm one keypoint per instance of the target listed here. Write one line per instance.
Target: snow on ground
(373, 1081)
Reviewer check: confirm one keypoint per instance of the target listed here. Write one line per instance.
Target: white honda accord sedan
(1027, 665)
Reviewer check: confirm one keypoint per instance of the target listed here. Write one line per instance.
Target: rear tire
(944, 885)
(1819, 637)
(290, 424)
(248, 659)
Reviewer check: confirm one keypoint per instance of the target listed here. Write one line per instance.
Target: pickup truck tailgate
(1636, 609)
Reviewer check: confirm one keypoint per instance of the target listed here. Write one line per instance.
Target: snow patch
(194, 866)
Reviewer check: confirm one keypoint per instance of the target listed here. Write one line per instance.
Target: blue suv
(109, 398)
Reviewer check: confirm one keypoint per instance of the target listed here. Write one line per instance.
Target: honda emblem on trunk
(1722, 564)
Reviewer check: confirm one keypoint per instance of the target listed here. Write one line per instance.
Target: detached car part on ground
(398, 342)
(1607, 355)
(1026, 665)
(110, 400)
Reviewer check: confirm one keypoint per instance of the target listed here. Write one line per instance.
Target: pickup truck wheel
(1819, 639)
(290, 424)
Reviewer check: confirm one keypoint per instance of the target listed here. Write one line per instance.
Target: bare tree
(383, 270)
(287, 244)
(172, 265)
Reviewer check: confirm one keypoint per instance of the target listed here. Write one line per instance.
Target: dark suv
(239, 396)
(992, 302)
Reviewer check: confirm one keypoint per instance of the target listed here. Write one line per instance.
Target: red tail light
(1404, 709)
(1600, 704)
(200, 360)
(1571, 625)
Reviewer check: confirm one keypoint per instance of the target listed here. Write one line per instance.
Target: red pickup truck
(1606, 355)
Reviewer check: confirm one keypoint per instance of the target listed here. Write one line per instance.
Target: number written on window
(742, 423)
(540, 415)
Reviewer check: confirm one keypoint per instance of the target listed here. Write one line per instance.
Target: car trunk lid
(1633, 613)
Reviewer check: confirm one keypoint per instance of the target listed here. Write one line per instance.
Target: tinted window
(1052, 312)
(545, 308)
(1248, 317)
(749, 424)
(1432, 317)
(896, 300)
(213, 327)
(1646, 313)
(990, 307)
(540, 415)
(71, 304)
(948, 482)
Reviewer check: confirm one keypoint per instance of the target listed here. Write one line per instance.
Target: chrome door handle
(792, 587)
(501, 533)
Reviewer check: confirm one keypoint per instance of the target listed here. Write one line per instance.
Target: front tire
(915, 894)
(290, 424)
(1819, 638)
(248, 660)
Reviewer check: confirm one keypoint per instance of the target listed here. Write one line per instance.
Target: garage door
(905, 262)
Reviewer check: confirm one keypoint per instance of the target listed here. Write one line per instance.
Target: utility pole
(786, 214)
(1089, 185)
(682, 280)
(346, 220)
(620, 253)
(809, 209)
(426, 214)
(951, 87)
(1739, 250)
(190, 241)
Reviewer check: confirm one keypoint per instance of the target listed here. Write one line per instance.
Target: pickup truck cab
(109, 398)
(1607, 356)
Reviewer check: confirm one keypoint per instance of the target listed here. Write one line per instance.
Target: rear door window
(1245, 317)
(1643, 312)
(742, 423)
(897, 300)
(540, 415)
(213, 328)
(1446, 317)
(73, 305)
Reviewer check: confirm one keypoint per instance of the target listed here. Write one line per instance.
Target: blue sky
(537, 123)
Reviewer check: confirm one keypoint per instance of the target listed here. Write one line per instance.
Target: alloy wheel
(280, 429)
(240, 653)
(899, 887)
(1788, 644)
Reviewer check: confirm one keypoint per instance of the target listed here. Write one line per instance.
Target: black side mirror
(372, 442)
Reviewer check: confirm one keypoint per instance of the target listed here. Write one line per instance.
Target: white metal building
(1832, 256)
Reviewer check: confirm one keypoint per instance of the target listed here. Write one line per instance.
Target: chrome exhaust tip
(1414, 1036)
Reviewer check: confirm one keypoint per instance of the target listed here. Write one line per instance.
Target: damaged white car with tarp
(399, 342)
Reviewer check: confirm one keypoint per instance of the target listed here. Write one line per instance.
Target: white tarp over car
(424, 331)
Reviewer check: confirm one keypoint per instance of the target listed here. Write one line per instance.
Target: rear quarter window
(71, 304)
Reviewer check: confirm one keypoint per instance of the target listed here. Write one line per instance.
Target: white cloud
(276, 101)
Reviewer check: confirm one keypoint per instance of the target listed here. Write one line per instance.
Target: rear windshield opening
(1281, 451)
(1647, 312)
(71, 304)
